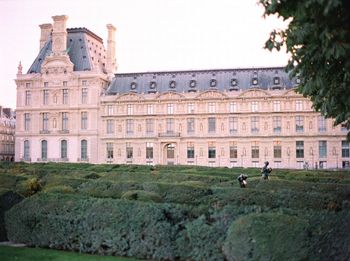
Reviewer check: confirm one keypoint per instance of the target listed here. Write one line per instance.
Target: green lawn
(8, 253)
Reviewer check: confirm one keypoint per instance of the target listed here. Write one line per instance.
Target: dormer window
(255, 81)
(172, 84)
(133, 85)
(212, 83)
(153, 85)
(234, 82)
(193, 83)
(276, 80)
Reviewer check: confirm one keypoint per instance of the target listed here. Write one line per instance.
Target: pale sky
(152, 35)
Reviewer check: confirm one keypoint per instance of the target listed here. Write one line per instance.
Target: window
(45, 121)
(213, 83)
(149, 150)
(109, 150)
(322, 148)
(65, 84)
(84, 95)
(83, 149)
(233, 124)
(130, 109)
(149, 126)
(255, 150)
(233, 150)
(276, 80)
(46, 84)
(63, 149)
(276, 124)
(44, 150)
(26, 121)
(45, 97)
(149, 109)
(84, 119)
(211, 151)
(298, 105)
(343, 127)
(190, 150)
(65, 96)
(110, 110)
(211, 107)
(170, 125)
(233, 107)
(345, 151)
(254, 124)
(190, 126)
(64, 120)
(26, 148)
(322, 124)
(255, 81)
(170, 153)
(190, 108)
(299, 151)
(211, 125)
(276, 105)
(170, 108)
(28, 84)
(254, 105)
(84, 82)
(299, 123)
(28, 98)
(129, 126)
(277, 149)
(110, 126)
(129, 151)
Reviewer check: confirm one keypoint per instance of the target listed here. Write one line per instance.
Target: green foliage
(318, 39)
(142, 196)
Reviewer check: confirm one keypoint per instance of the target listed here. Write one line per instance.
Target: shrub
(142, 196)
(59, 189)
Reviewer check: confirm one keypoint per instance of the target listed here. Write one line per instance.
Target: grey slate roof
(200, 80)
(76, 48)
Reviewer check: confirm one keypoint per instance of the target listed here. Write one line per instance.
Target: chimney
(46, 30)
(59, 34)
(111, 65)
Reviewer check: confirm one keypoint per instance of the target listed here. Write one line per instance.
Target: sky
(152, 35)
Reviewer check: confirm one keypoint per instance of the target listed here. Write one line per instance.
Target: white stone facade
(65, 114)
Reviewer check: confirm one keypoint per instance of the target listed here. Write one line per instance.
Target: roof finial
(19, 68)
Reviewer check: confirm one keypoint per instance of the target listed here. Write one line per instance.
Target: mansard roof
(77, 49)
(200, 80)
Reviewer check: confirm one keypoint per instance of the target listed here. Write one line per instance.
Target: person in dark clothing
(242, 179)
(265, 171)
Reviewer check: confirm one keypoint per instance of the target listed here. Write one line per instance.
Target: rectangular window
(28, 84)
(83, 150)
(170, 125)
(298, 105)
(233, 107)
(26, 150)
(277, 149)
(211, 152)
(211, 107)
(299, 123)
(277, 127)
(345, 151)
(129, 151)
(211, 125)
(255, 150)
(84, 120)
(190, 150)
(84, 82)
(63, 149)
(129, 126)
(64, 120)
(233, 124)
(233, 150)
(149, 109)
(110, 110)
(26, 121)
(322, 148)
(130, 108)
(276, 105)
(190, 108)
(65, 96)
(28, 98)
(46, 84)
(45, 121)
(149, 126)
(255, 124)
(109, 150)
(299, 150)
(149, 150)
(322, 124)
(84, 95)
(45, 97)
(170, 108)
(110, 126)
(190, 126)
(255, 106)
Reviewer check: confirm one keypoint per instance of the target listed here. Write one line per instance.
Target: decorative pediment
(254, 93)
(212, 95)
(57, 64)
(291, 92)
(170, 96)
(129, 97)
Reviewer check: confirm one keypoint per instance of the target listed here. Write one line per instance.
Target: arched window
(63, 149)
(26, 149)
(44, 149)
(83, 146)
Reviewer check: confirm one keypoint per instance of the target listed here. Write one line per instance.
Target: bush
(142, 196)
(59, 189)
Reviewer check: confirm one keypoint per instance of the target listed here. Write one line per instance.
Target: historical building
(72, 106)
(7, 134)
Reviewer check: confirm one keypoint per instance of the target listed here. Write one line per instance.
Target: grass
(8, 253)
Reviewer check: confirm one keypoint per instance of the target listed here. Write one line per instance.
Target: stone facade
(7, 134)
(71, 106)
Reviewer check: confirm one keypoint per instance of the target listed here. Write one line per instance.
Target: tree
(318, 39)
